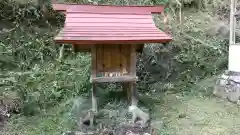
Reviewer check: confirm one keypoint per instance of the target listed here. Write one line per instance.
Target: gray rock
(131, 133)
(158, 124)
(228, 86)
(69, 133)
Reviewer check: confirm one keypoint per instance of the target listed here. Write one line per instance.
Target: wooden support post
(94, 64)
(94, 105)
(74, 48)
(94, 99)
(133, 93)
(133, 72)
(133, 60)
(136, 112)
(126, 88)
(61, 52)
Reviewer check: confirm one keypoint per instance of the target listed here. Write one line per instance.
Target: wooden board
(126, 78)
(87, 48)
(112, 58)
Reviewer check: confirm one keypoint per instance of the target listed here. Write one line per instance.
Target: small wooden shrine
(113, 35)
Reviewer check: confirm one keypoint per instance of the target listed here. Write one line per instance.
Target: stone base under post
(228, 86)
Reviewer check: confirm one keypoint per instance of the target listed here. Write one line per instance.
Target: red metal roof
(103, 8)
(87, 24)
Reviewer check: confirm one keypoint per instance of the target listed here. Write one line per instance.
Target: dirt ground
(177, 115)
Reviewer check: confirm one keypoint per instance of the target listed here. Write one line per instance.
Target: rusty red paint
(88, 24)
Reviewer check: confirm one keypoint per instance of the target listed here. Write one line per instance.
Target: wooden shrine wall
(113, 58)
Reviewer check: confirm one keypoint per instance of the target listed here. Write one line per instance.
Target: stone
(137, 113)
(69, 133)
(77, 133)
(228, 86)
(131, 133)
(157, 124)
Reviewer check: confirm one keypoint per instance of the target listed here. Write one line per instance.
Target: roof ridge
(108, 8)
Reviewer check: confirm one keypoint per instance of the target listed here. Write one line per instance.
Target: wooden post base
(127, 90)
(89, 118)
(130, 89)
(133, 94)
(94, 99)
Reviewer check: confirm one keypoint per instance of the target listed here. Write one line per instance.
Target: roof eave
(92, 42)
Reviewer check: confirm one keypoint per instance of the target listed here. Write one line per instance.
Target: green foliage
(28, 60)
(27, 36)
(190, 57)
(43, 87)
(54, 121)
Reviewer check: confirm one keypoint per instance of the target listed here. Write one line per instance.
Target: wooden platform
(125, 78)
